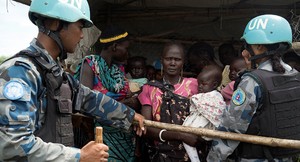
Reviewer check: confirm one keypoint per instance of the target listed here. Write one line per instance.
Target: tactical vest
(57, 88)
(278, 116)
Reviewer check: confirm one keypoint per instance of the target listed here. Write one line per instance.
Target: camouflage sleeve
(236, 117)
(105, 109)
(19, 84)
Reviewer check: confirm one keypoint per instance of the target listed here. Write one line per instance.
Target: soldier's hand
(94, 152)
(140, 128)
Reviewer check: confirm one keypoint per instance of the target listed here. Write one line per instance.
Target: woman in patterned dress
(167, 145)
(104, 72)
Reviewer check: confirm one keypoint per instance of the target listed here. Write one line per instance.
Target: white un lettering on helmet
(76, 3)
(258, 24)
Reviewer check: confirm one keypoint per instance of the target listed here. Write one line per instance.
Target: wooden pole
(98, 135)
(295, 47)
(268, 141)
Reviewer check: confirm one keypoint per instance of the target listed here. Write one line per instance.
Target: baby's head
(209, 78)
(237, 65)
(137, 67)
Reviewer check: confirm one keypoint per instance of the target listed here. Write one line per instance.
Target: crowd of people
(47, 114)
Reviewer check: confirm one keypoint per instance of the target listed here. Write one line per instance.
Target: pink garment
(227, 92)
(153, 96)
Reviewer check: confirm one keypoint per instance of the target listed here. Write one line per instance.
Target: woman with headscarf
(104, 72)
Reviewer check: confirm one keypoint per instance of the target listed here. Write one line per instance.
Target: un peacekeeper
(266, 101)
(37, 98)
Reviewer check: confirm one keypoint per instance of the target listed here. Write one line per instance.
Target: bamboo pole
(98, 135)
(295, 47)
(268, 141)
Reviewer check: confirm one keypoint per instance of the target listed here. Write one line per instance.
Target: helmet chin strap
(253, 62)
(282, 47)
(55, 36)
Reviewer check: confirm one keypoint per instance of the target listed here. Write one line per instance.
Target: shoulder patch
(13, 90)
(238, 97)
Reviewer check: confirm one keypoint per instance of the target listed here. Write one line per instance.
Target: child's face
(235, 67)
(137, 70)
(151, 74)
(206, 82)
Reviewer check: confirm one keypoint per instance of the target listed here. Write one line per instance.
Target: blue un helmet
(268, 29)
(67, 11)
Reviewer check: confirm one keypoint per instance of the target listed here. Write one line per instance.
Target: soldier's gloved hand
(93, 151)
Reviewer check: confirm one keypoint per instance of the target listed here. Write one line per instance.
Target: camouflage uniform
(238, 115)
(21, 117)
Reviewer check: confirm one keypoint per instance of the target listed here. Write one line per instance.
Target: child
(151, 72)
(227, 53)
(137, 70)
(237, 65)
(206, 107)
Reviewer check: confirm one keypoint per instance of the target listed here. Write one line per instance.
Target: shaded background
(151, 23)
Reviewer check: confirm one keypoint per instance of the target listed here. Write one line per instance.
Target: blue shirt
(237, 117)
(22, 112)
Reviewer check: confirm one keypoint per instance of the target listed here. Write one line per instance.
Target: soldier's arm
(103, 108)
(236, 118)
(19, 109)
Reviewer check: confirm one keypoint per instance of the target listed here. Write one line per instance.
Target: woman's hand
(129, 94)
(140, 128)
(188, 138)
(132, 102)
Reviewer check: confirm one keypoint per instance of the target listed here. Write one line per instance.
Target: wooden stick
(98, 135)
(268, 141)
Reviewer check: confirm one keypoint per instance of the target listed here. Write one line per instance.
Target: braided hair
(275, 61)
(278, 49)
